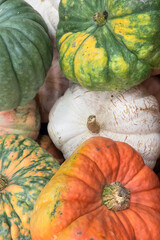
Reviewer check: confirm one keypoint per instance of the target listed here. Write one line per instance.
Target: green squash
(108, 44)
(25, 168)
(25, 53)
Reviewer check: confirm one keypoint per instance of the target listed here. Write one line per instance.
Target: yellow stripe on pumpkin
(119, 66)
(64, 2)
(14, 231)
(18, 164)
(24, 216)
(129, 29)
(121, 26)
(89, 62)
(64, 37)
(68, 50)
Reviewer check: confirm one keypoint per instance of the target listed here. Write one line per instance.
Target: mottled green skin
(128, 44)
(25, 53)
(28, 168)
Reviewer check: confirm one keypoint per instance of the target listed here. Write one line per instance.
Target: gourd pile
(79, 120)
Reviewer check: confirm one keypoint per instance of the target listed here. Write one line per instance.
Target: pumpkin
(108, 45)
(48, 9)
(24, 120)
(45, 142)
(103, 191)
(130, 116)
(25, 168)
(26, 53)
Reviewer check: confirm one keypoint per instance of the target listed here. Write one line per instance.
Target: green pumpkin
(109, 44)
(25, 53)
(25, 168)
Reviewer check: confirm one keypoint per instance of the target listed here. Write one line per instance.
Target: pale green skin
(25, 53)
(114, 53)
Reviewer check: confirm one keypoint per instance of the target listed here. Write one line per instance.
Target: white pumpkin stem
(3, 182)
(116, 197)
(92, 124)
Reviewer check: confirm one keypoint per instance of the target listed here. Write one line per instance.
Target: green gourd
(109, 44)
(25, 53)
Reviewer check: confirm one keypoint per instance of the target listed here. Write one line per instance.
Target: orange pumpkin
(24, 120)
(103, 191)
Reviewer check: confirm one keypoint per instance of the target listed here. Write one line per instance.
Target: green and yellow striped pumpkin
(109, 44)
(25, 168)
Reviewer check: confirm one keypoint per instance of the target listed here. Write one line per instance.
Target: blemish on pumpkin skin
(79, 233)
(97, 148)
(107, 146)
(55, 208)
(73, 44)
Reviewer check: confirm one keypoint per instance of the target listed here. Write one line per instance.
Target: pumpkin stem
(92, 124)
(116, 197)
(100, 18)
(3, 182)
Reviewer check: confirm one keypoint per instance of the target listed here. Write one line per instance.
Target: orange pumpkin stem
(92, 124)
(3, 182)
(116, 197)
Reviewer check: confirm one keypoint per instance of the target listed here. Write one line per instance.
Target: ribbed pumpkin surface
(26, 53)
(27, 168)
(71, 205)
(109, 44)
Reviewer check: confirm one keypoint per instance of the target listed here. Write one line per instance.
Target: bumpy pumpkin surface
(79, 202)
(24, 120)
(26, 53)
(110, 44)
(25, 168)
(130, 116)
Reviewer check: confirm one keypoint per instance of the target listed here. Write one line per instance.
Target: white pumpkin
(130, 116)
(49, 11)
